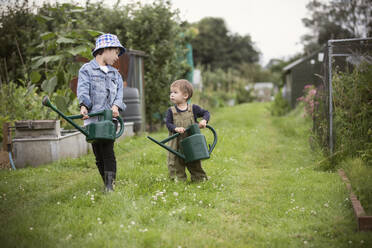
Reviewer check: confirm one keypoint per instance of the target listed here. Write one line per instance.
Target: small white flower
(74, 197)
(350, 242)
(98, 218)
(198, 186)
(31, 228)
(58, 203)
(132, 222)
(200, 202)
(121, 225)
(68, 236)
(326, 205)
(305, 242)
(90, 234)
(175, 194)
(100, 222)
(199, 215)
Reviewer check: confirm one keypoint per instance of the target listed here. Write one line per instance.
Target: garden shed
(306, 70)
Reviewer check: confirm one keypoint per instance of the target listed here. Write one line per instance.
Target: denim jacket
(98, 90)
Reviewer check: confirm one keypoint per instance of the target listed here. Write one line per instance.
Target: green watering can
(193, 147)
(104, 129)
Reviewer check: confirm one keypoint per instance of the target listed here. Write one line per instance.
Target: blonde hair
(185, 87)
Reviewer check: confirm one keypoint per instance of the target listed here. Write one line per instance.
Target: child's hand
(180, 129)
(202, 123)
(84, 112)
(115, 111)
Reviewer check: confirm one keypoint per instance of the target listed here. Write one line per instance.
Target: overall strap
(174, 110)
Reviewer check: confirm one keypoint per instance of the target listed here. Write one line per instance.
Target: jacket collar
(96, 66)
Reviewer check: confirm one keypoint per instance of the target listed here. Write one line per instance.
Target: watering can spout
(101, 130)
(46, 102)
(162, 144)
(194, 147)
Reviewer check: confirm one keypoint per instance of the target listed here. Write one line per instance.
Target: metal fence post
(330, 96)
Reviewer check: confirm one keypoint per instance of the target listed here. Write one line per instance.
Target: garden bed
(364, 221)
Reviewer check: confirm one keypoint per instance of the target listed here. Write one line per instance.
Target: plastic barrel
(133, 111)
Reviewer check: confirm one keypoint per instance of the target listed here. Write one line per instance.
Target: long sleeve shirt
(197, 111)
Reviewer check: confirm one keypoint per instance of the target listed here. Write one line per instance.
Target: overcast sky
(275, 26)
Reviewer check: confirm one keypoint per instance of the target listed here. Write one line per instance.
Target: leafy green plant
(353, 113)
(55, 65)
(244, 95)
(279, 106)
(20, 103)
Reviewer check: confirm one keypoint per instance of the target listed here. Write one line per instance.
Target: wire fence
(339, 56)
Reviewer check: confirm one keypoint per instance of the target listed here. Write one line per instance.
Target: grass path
(265, 191)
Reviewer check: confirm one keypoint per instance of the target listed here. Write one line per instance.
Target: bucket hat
(108, 40)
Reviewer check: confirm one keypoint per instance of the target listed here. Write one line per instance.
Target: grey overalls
(176, 165)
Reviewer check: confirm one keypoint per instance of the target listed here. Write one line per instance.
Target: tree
(18, 28)
(154, 29)
(241, 50)
(210, 46)
(338, 19)
(216, 47)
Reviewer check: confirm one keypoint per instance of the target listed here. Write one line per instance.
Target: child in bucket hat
(100, 87)
(108, 40)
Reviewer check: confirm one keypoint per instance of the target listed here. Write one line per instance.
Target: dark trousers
(105, 156)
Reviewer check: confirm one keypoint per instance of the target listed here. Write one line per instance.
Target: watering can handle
(211, 147)
(121, 126)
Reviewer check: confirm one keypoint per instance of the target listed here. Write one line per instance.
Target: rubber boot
(109, 181)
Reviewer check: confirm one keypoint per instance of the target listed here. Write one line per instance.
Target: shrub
(20, 103)
(279, 106)
(353, 113)
(243, 95)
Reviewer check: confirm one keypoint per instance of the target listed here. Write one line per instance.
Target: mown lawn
(265, 190)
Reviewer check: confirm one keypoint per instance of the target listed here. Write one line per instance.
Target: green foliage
(215, 47)
(352, 116)
(279, 106)
(56, 66)
(353, 113)
(244, 96)
(153, 29)
(336, 20)
(20, 103)
(18, 28)
(360, 176)
(64, 31)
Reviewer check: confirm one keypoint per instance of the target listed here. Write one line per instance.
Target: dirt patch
(4, 160)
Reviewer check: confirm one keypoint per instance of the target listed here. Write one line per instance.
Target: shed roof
(300, 60)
